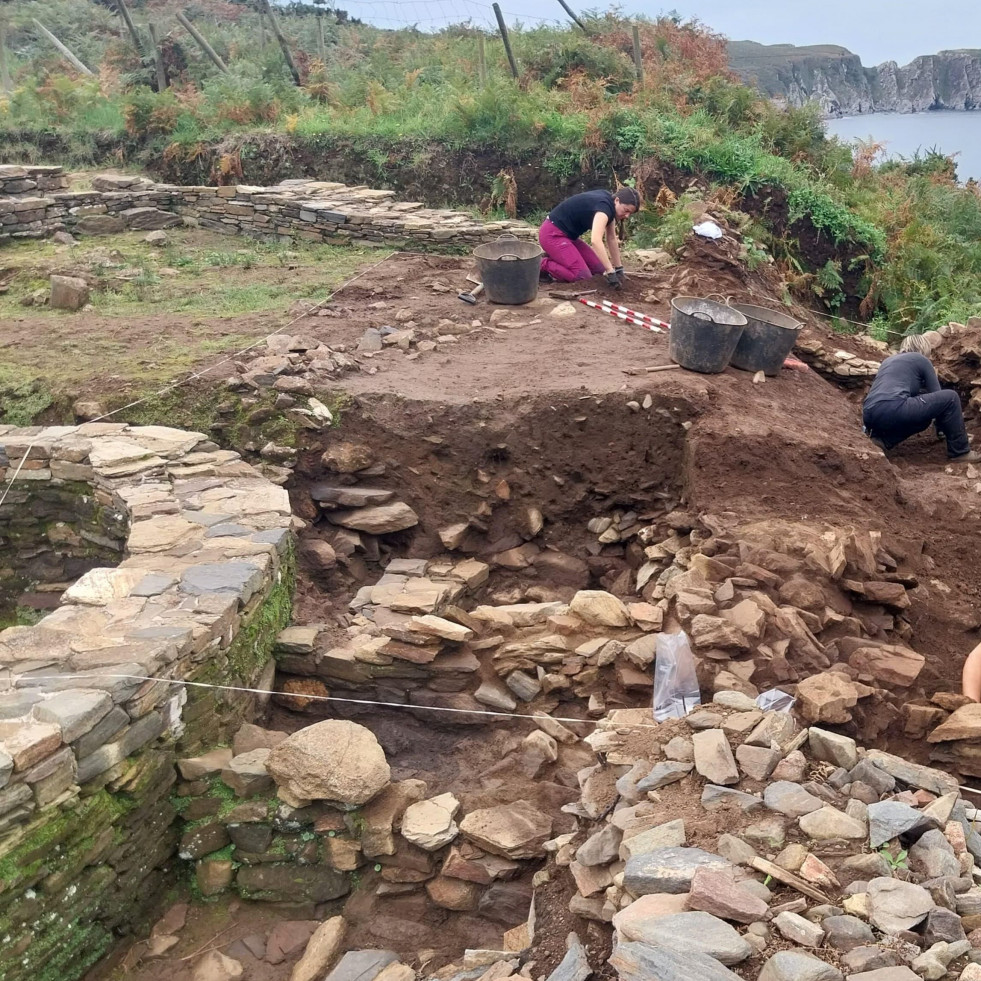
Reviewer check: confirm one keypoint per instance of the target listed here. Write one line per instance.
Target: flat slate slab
(668, 870)
(641, 962)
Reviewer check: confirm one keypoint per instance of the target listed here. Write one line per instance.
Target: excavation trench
(530, 502)
(514, 488)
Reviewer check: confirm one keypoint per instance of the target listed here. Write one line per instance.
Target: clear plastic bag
(775, 700)
(675, 682)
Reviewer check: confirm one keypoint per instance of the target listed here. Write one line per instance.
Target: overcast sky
(877, 30)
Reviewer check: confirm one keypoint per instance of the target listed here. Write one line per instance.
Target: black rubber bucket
(767, 340)
(509, 269)
(704, 334)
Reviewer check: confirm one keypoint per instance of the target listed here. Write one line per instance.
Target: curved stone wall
(89, 724)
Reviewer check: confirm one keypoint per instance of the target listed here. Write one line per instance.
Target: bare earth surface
(548, 385)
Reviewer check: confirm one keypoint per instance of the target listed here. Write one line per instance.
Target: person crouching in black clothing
(906, 397)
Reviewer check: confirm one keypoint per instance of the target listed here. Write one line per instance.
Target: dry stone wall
(18, 181)
(319, 211)
(89, 724)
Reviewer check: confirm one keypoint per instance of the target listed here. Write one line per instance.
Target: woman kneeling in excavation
(567, 259)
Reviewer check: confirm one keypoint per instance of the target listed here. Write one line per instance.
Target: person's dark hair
(628, 196)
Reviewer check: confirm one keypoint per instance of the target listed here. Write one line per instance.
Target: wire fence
(434, 15)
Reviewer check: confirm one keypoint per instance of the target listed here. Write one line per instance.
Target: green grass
(126, 344)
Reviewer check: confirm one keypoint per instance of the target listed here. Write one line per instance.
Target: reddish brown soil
(544, 406)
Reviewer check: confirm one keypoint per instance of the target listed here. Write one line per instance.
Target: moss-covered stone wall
(94, 708)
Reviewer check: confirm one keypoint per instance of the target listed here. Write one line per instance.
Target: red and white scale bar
(626, 314)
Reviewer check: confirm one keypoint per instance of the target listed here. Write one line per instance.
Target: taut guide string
(395, 705)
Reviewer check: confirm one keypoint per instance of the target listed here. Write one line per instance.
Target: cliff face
(836, 79)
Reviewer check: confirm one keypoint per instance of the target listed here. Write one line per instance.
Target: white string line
(337, 698)
(511, 716)
(199, 374)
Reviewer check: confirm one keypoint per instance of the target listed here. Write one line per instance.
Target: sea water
(952, 133)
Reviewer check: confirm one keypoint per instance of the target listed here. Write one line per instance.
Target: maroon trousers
(566, 260)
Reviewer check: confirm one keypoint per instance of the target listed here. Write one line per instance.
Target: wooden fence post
(262, 30)
(481, 60)
(638, 57)
(504, 37)
(5, 83)
(158, 59)
(569, 11)
(282, 42)
(130, 26)
(75, 61)
(321, 42)
(205, 47)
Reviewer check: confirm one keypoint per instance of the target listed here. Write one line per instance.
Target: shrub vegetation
(907, 235)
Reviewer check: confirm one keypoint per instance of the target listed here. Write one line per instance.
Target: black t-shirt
(574, 215)
(903, 376)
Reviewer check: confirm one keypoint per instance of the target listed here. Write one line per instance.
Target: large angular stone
(247, 774)
(668, 835)
(148, 219)
(889, 664)
(668, 869)
(346, 457)
(76, 712)
(718, 893)
(798, 930)
(632, 920)
(238, 578)
(334, 760)
(516, 831)
(429, 824)
(828, 823)
(794, 965)
(601, 848)
(713, 757)
(641, 962)
(964, 723)
(382, 520)
(845, 933)
(924, 777)
(895, 906)
(575, 965)
(757, 762)
(664, 774)
(599, 608)
(350, 497)
(697, 932)
(933, 857)
(832, 747)
(827, 697)
(715, 632)
(362, 965)
(321, 950)
(889, 819)
(714, 797)
(790, 799)
(100, 225)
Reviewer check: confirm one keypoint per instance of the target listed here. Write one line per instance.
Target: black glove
(621, 275)
(613, 280)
